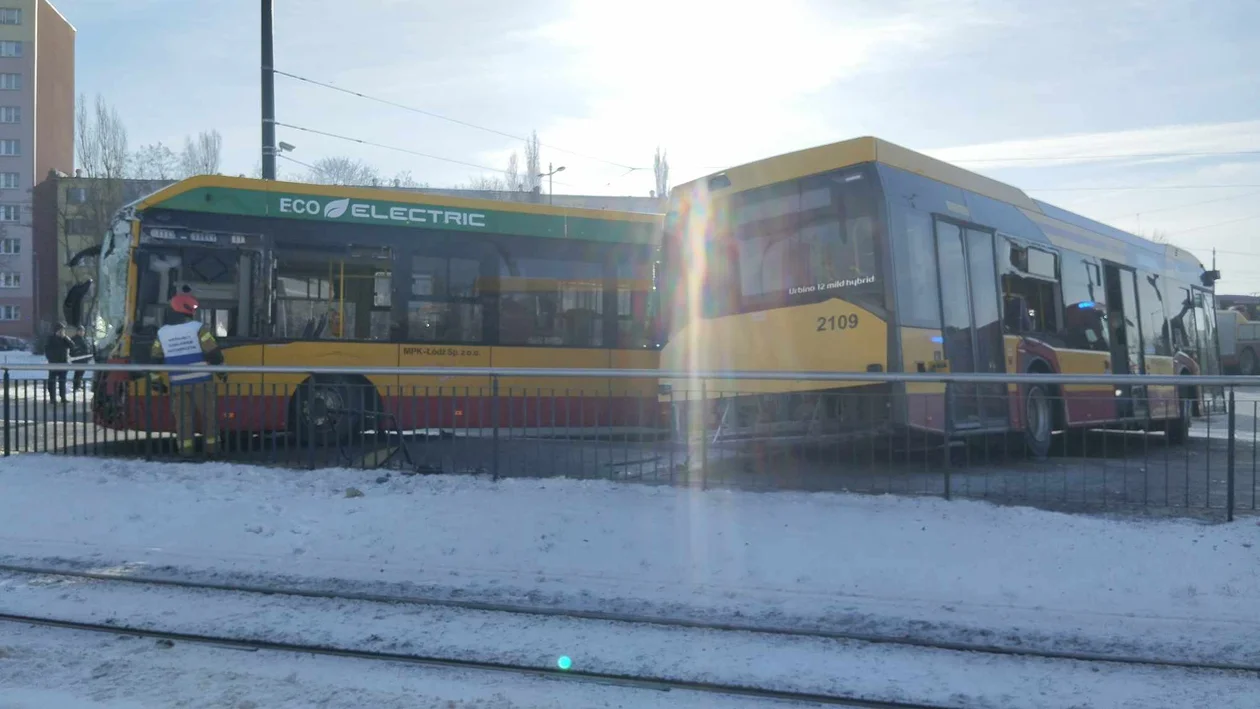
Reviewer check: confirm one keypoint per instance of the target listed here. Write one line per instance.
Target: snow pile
(23, 358)
(856, 562)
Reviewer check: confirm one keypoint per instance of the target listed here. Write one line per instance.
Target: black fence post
(8, 418)
(311, 432)
(148, 417)
(1229, 465)
(704, 433)
(494, 413)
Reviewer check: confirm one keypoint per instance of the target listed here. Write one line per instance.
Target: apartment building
(36, 136)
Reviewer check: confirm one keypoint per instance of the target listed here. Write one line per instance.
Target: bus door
(971, 324)
(1126, 337)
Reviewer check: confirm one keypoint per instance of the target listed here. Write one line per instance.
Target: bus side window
(1084, 324)
(1181, 320)
(1028, 290)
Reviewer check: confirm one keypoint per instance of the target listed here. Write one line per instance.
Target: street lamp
(551, 188)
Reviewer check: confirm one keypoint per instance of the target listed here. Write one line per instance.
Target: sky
(1067, 100)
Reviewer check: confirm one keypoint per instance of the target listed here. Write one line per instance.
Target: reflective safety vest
(181, 344)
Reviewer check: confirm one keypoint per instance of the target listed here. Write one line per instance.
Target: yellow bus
(301, 275)
(863, 256)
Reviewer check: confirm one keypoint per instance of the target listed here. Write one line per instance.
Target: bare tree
(101, 153)
(533, 163)
(403, 180)
(484, 183)
(341, 170)
(201, 156)
(101, 140)
(155, 162)
(512, 174)
(660, 168)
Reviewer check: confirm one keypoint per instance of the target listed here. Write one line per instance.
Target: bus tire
(1178, 429)
(1247, 362)
(328, 410)
(1038, 420)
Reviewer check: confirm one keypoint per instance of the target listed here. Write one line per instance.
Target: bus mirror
(1210, 277)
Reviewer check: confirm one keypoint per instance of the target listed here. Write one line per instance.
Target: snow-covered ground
(886, 672)
(55, 669)
(952, 570)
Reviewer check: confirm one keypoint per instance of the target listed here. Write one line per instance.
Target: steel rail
(575, 675)
(639, 619)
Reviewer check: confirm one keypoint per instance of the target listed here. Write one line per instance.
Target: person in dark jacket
(79, 353)
(57, 349)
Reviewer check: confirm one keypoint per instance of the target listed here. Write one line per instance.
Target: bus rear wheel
(1038, 420)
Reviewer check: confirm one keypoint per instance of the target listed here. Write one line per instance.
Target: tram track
(574, 675)
(636, 619)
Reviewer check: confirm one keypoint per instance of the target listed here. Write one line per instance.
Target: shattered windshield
(110, 316)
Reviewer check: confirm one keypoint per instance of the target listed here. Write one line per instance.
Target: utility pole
(551, 187)
(268, 96)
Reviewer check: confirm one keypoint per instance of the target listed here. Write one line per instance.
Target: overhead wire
(1116, 156)
(295, 160)
(1057, 158)
(1183, 206)
(1210, 226)
(629, 168)
(456, 121)
(1136, 187)
(395, 148)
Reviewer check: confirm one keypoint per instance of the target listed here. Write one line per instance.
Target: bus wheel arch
(1042, 411)
(1178, 429)
(335, 404)
(1247, 365)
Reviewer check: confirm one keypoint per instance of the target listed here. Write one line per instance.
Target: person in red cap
(184, 340)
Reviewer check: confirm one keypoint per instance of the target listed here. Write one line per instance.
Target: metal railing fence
(870, 432)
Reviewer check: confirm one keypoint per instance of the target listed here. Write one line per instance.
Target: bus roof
(248, 197)
(824, 158)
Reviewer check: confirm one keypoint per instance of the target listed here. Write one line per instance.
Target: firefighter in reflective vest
(185, 341)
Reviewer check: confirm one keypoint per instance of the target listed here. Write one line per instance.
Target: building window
(10, 49)
(10, 212)
(79, 227)
(10, 147)
(10, 114)
(10, 82)
(10, 246)
(10, 312)
(8, 180)
(77, 195)
(10, 279)
(10, 16)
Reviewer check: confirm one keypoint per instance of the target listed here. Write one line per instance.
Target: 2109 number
(842, 322)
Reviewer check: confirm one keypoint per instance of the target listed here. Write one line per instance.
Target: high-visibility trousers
(195, 406)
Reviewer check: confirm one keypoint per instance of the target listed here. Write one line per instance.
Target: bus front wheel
(330, 409)
(1038, 420)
